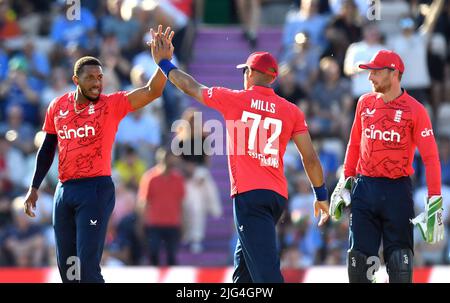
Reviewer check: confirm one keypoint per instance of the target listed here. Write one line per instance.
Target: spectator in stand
(142, 132)
(180, 16)
(412, 46)
(20, 132)
(342, 30)
(130, 167)
(249, 12)
(331, 100)
(307, 20)
(127, 32)
(24, 241)
(12, 169)
(20, 89)
(117, 63)
(160, 199)
(39, 67)
(58, 85)
(9, 28)
(202, 196)
(360, 52)
(287, 87)
(303, 57)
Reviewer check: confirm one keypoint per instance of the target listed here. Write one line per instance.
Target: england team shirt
(384, 137)
(85, 138)
(259, 126)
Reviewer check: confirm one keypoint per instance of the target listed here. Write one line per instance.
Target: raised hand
(161, 44)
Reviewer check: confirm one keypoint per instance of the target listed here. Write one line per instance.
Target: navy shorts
(380, 210)
(256, 257)
(82, 208)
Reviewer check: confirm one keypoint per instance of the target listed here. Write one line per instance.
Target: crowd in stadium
(321, 46)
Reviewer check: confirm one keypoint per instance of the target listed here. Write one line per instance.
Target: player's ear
(75, 80)
(250, 72)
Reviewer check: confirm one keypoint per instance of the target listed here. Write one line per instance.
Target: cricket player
(82, 125)
(389, 124)
(259, 125)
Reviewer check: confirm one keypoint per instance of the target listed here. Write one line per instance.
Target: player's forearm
(314, 171)
(44, 159)
(157, 82)
(186, 83)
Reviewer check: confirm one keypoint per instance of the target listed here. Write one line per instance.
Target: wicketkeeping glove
(341, 197)
(430, 221)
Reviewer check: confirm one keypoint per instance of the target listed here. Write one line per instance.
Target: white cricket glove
(341, 197)
(430, 221)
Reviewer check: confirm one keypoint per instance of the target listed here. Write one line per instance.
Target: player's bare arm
(142, 96)
(162, 48)
(313, 170)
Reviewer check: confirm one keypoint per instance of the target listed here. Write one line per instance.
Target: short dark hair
(87, 60)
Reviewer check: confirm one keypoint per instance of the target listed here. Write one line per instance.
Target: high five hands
(161, 44)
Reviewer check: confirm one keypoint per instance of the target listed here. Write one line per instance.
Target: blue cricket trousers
(81, 211)
(256, 258)
(381, 209)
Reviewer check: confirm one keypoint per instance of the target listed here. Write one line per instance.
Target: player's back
(259, 126)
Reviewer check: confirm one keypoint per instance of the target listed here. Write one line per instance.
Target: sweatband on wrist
(166, 66)
(321, 193)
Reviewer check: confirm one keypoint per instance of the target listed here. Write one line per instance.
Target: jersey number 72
(266, 124)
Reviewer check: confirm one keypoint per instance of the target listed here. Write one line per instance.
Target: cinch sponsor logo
(427, 132)
(81, 132)
(390, 136)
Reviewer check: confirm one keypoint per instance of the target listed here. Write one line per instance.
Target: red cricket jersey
(163, 195)
(259, 126)
(85, 139)
(384, 137)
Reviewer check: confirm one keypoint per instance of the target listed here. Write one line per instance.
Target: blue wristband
(321, 193)
(166, 66)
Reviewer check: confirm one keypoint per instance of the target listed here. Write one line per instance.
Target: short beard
(382, 89)
(89, 98)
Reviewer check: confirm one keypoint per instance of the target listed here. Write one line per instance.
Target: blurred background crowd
(319, 44)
